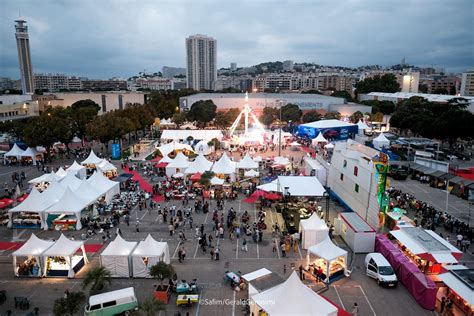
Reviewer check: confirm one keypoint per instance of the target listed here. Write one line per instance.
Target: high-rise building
(467, 83)
(201, 62)
(233, 66)
(24, 57)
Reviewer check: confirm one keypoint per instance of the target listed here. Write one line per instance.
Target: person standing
(355, 310)
(459, 240)
(183, 253)
(216, 252)
(244, 245)
(171, 228)
(180, 255)
(283, 250)
(442, 305)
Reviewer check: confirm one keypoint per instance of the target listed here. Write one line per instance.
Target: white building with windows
(201, 62)
(352, 179)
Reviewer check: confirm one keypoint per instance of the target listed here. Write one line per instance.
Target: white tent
(283, 161)
(34, 247)
(381, 142)
(295, 144)
(251, 173)
(77, 169)
(76, 139)
(89, 193)
(292, 297)
(361, 126)
(228, 160)
(300, 186)
(92, 159)
(116, 257)
(313, 230)
(70, 204)
(31, 204)
(224, 166)
(148, 253)
(14, 152)
(71, 181)
(32, 153)
(270, 187)
(178, 165)
(166, 149)
(200, 164)
(329, 146)
(328, 251)
(217, 181)
(104, 185)
(258, 159)
(203, 147)
(319, 139)
(61, 172)
(53, 192)
(65, 247)
(47, 177)
(106, 166)
(247, 163)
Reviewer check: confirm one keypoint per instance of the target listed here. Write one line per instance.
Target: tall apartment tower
(201, 62)
(467, 84)
(24, 57)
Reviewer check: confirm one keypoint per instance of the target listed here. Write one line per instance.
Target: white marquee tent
(179, 164)
(247, 163)
(313, 230)
(34, 247)
(106, 166)
(381, 142)
(270, 187)
(69, 204)
(32, 153)
(203, 147)
(104, 185)
(224, 166)
(291, 297)
(300, 186)
(361, 126)
(92, 159)
(65, 247)
(77, 170)
(30, 204)
(328, 251)
(14, 152)
(61, 172)
(251, 173)
(200, 164)
(47, 177)
(89, 193)
(319, 139)
(282, 161)
(166, 149)
(148, 253)
(217, 181)
(116, 257)
(71, 181)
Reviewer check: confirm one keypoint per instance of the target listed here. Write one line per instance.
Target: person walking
(244, 245)
(274, 246)
(355, 310)
(216, 252)
(180, 255)
(283, 250)
(183, 253)
(171, 228)
(137, 226)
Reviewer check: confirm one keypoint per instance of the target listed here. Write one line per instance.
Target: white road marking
(370, 305)
(233, 303)
(236, 248)
(198, 305)
(176, 250)
(338, 296)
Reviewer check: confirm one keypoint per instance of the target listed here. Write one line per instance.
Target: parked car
(112, 303)
(379, 268)
(398, 173)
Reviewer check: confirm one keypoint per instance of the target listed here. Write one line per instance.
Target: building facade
(354, 180)
(14, 107)
(467, 84)
(104, 85)
(201, 62)
(57, 82)
(154, 83)
(24, 57)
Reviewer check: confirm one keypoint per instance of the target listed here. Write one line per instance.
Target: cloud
(101, 39)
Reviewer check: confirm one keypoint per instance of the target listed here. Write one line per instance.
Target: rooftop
(429, 97)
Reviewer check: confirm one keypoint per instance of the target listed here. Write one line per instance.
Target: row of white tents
(68, 195)
(122, 258)
(18, 153)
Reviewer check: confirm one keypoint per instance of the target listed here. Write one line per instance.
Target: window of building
(342, 177)
(356, 171)
(345, 163)
(356, 188)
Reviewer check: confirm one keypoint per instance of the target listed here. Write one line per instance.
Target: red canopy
(22, 198)
(196, 176)
(161, 165)
(5, 202)
(272, 196)
(156, 159)
(258, 193)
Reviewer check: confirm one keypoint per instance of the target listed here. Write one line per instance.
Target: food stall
(459, 288)
(23, 215)
(116, 257)
(107, 168)
(224, 167)
(66, 213)
(91, 162)
(355, 231)
(30, 156)
(148, 253)
(397, 219)
(178, 165)
(31, 263)
(77, 170)
(329, 257)
(65, 258)
(14, 154)
(426, 249)
(313, 231)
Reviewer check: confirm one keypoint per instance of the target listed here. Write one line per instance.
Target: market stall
(65, 258)
(291, 297)
(70, 181)
(329, 257)
(66, 213)
(107, 168)
(426, 249)
(313, 231)
(91, 161)
(14, 154)
(30, 156)
(107, 187)
(200, 164)
(27, 260)
(224, 167)
(27, 214)
(41, 182)
(148, 253)
(247, 163)
(459, 288)
(356, 232)
(381, 142)
(179, 165)
(116, 257)
(77, 170)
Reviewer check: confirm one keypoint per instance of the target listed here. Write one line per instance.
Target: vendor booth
(78, 170)
(14, 154)
(329, 257)
(65, 258)
(117, 259)
(356, 232)
(107, 168)
(247, 163)
(174, 147)
(148, 253)
(108, 187)
(179, 165)
(40, 181)
(200, 164)
(426, 249)
(313, 231)
(381, 142)
(70, 181)
(91, 161)
(459, 288)
(27, 214)
(224, 167)
(27, 261)
(291, 297)
(30, 155)
(319, 139)
(66, 213)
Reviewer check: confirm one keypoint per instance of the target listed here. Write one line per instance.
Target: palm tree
(162, 271)
(99, 277)
(68, 305)
(150, 306)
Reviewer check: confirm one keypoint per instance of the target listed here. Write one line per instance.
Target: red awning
(272, 196)
(161, 165)
(196, 176)
(258, 193)
(5, 202)
(156, 159)
(22, 198)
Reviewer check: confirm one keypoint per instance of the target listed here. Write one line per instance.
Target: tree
(69, 305)
(377, 83)
(151, 306)
(422, 88)
(332, 116)
(108, 127)
(311, 116)
(82, 113)
(162, 271)
(268, 116)
(221, 120)
(291, 112)
(386, 107)
(377, 117)
(88, 103)
(179, 118)
(356, 117)
(98, 278)
(202, 111)
(342, 94)
(206, 178)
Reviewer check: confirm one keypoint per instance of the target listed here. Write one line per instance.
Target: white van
(112, 303)
(377, 267)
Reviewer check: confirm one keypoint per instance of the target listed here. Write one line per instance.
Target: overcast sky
(105, 38)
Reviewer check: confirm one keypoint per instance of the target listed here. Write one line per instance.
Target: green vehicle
(112, 303)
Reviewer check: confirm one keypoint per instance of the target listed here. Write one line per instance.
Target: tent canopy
(29, 204)
(300, 186)
(217, 181)
(47, 177)
(61, 172)
(92, 159)
(68, 203)
(15, 152)
(166, 149)
(152, 248)
(281, 161)
(327, 250)
(33, 247)
(224, 165)
(292, 297)
(71, 181)
(105, 166)
(180, 161)
(102, 184)
(361, 125)
(320, 139)
(314, 223)
(203, 147)
(64, 247)
(247, 163)
(119, 247)
(200, 164)
(89, 193)
(251, 173)
(269, 187)
(75, 167)
(30, 152)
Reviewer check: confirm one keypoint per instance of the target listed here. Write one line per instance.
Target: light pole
(279, 135)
